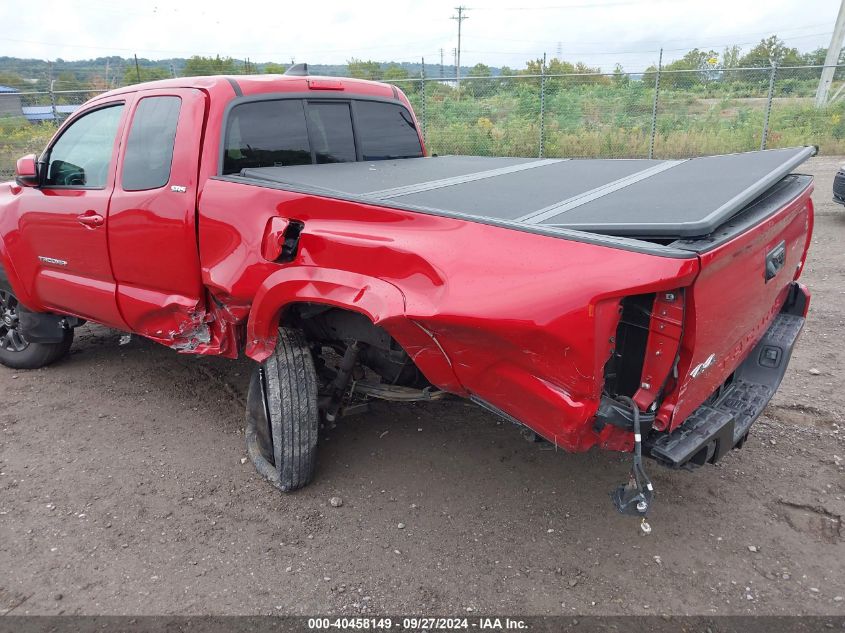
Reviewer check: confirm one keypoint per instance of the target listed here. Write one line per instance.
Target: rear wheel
(15, 351)
(282, 414)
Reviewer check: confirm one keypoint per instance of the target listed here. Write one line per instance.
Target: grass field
(584, 117)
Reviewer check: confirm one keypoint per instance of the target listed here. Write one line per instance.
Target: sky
(496, 32)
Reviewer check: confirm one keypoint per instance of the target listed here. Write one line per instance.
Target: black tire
(18, 353)
(284, 388)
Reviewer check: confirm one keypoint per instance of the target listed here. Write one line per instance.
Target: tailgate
(746, 274)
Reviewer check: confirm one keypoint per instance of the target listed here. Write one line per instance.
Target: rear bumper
(723, 422)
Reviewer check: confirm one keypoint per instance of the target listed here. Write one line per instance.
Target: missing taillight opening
(625, 367)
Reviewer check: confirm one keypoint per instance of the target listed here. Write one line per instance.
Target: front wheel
(282, 414)
(18, 353)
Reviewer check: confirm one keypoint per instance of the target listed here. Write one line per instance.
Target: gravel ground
(124, 489)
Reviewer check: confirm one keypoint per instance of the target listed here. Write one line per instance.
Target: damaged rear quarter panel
(520, 320)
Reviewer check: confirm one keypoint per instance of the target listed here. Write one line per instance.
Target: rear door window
(149, 148)
(266, 134)
(386, 131)
(330, 126)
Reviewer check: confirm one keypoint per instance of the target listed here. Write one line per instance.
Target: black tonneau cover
(637, 197)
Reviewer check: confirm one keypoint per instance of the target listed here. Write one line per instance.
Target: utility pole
(441, 63)
(832, 58)
(137, 70)
(460, 18)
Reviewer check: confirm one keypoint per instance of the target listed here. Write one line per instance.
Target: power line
(657, 42)
(591, 5)
(646, 50)
(403, 45)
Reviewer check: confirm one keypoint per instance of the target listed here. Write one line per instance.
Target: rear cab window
(284, 132)
(330, 131)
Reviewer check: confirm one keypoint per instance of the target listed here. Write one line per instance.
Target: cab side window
(80, 158)
(149, 148)
(386, 131)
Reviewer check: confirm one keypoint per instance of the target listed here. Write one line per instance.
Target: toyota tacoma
(644, 306)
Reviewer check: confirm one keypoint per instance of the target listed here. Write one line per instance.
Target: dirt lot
(124, 491)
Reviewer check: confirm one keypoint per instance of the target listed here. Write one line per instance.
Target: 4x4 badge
(701, 367)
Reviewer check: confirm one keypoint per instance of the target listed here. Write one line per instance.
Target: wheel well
(336, 328)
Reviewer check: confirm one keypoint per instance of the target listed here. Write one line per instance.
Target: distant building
(10, 101)
(36, 114)
(11, 105)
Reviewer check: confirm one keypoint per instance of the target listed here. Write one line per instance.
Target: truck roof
(249, 85)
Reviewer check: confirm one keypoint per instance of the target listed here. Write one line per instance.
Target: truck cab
(109, 231)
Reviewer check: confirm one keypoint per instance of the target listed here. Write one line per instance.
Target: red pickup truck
(644, 306)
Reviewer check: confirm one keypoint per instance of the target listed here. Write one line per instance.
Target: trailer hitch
(635, 497)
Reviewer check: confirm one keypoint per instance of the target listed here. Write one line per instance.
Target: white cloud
(497, 32)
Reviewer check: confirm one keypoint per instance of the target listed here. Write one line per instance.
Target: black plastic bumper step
(704, 426)
(712, 430)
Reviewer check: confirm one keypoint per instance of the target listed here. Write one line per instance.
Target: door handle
(775, 259)
(91, 219)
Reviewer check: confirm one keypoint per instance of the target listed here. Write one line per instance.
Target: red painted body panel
(664, 338)
(45, 222)
(525, 322)
(152, 237)
(732, 283)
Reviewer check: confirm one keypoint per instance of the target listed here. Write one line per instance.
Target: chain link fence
(659, 114)
(29, 119)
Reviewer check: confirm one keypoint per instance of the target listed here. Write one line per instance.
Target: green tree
(198, 66)
(480, 70)
(394, 72)
(361, 69)
(506, 84)
(555, 66)
(148, 73)
(68, 81)
(703, 63)
(274, 69)
(731, 56)
(619, 76)
(481, 86)
(769, 52)
(13, 80)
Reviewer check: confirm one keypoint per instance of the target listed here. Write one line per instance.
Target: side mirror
(26, 171)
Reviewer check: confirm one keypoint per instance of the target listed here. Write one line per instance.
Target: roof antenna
(298, 70)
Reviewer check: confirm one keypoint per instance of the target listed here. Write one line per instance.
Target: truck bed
(624, 197)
